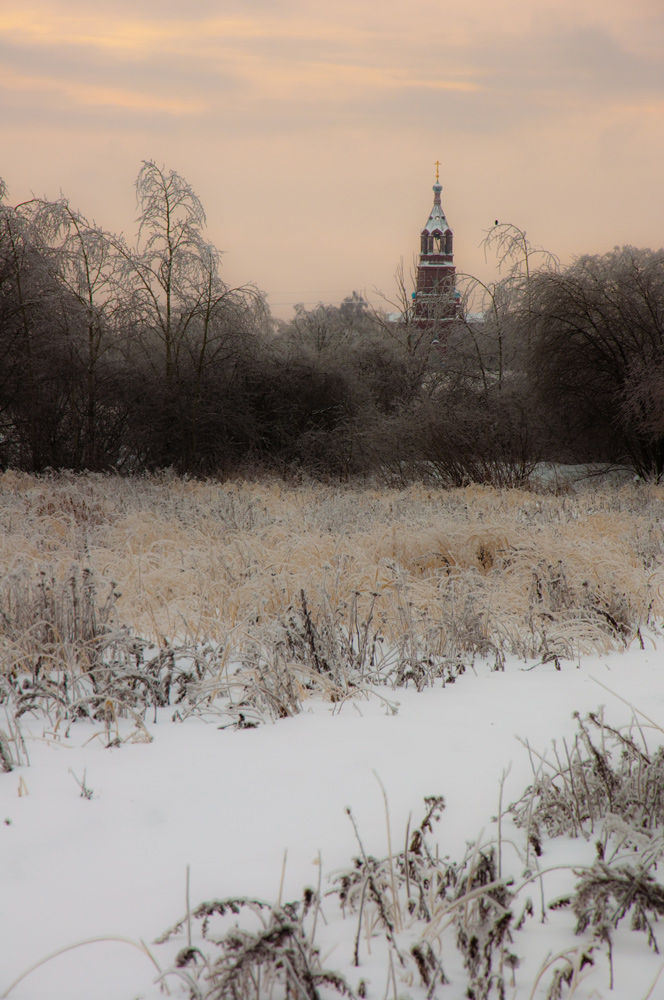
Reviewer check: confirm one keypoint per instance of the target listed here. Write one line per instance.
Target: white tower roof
(437, 220)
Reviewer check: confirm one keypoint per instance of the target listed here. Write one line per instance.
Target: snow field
(474, 576)
(229, 803)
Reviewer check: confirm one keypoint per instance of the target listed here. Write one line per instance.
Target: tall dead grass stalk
(318, 586)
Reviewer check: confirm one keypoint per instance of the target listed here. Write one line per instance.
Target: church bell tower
(436, 300)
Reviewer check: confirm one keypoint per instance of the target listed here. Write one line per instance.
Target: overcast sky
(309, 128)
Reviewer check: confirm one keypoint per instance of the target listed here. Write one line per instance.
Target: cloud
(62, 91)
(260, 67)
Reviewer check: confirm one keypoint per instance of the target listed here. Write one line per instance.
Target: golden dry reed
(481, 569)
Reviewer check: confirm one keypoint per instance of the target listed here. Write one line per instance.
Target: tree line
(135, 357)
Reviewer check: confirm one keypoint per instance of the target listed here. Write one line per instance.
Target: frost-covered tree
(187, 329)
(83, 260)
(36, 378)
(597, 331)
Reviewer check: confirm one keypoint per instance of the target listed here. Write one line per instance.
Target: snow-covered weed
(606, 782)
(256, 596)
(64, 654)
(433, 922)
(269, 950)
(414, 902)
(610, 786)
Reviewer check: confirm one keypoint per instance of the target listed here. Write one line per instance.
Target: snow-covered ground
(228, 804)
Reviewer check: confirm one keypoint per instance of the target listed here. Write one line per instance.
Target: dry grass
(467, 571)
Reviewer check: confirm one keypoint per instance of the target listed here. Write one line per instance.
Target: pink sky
(309, 129)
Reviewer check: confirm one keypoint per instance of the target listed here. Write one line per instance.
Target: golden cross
(437, 165)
